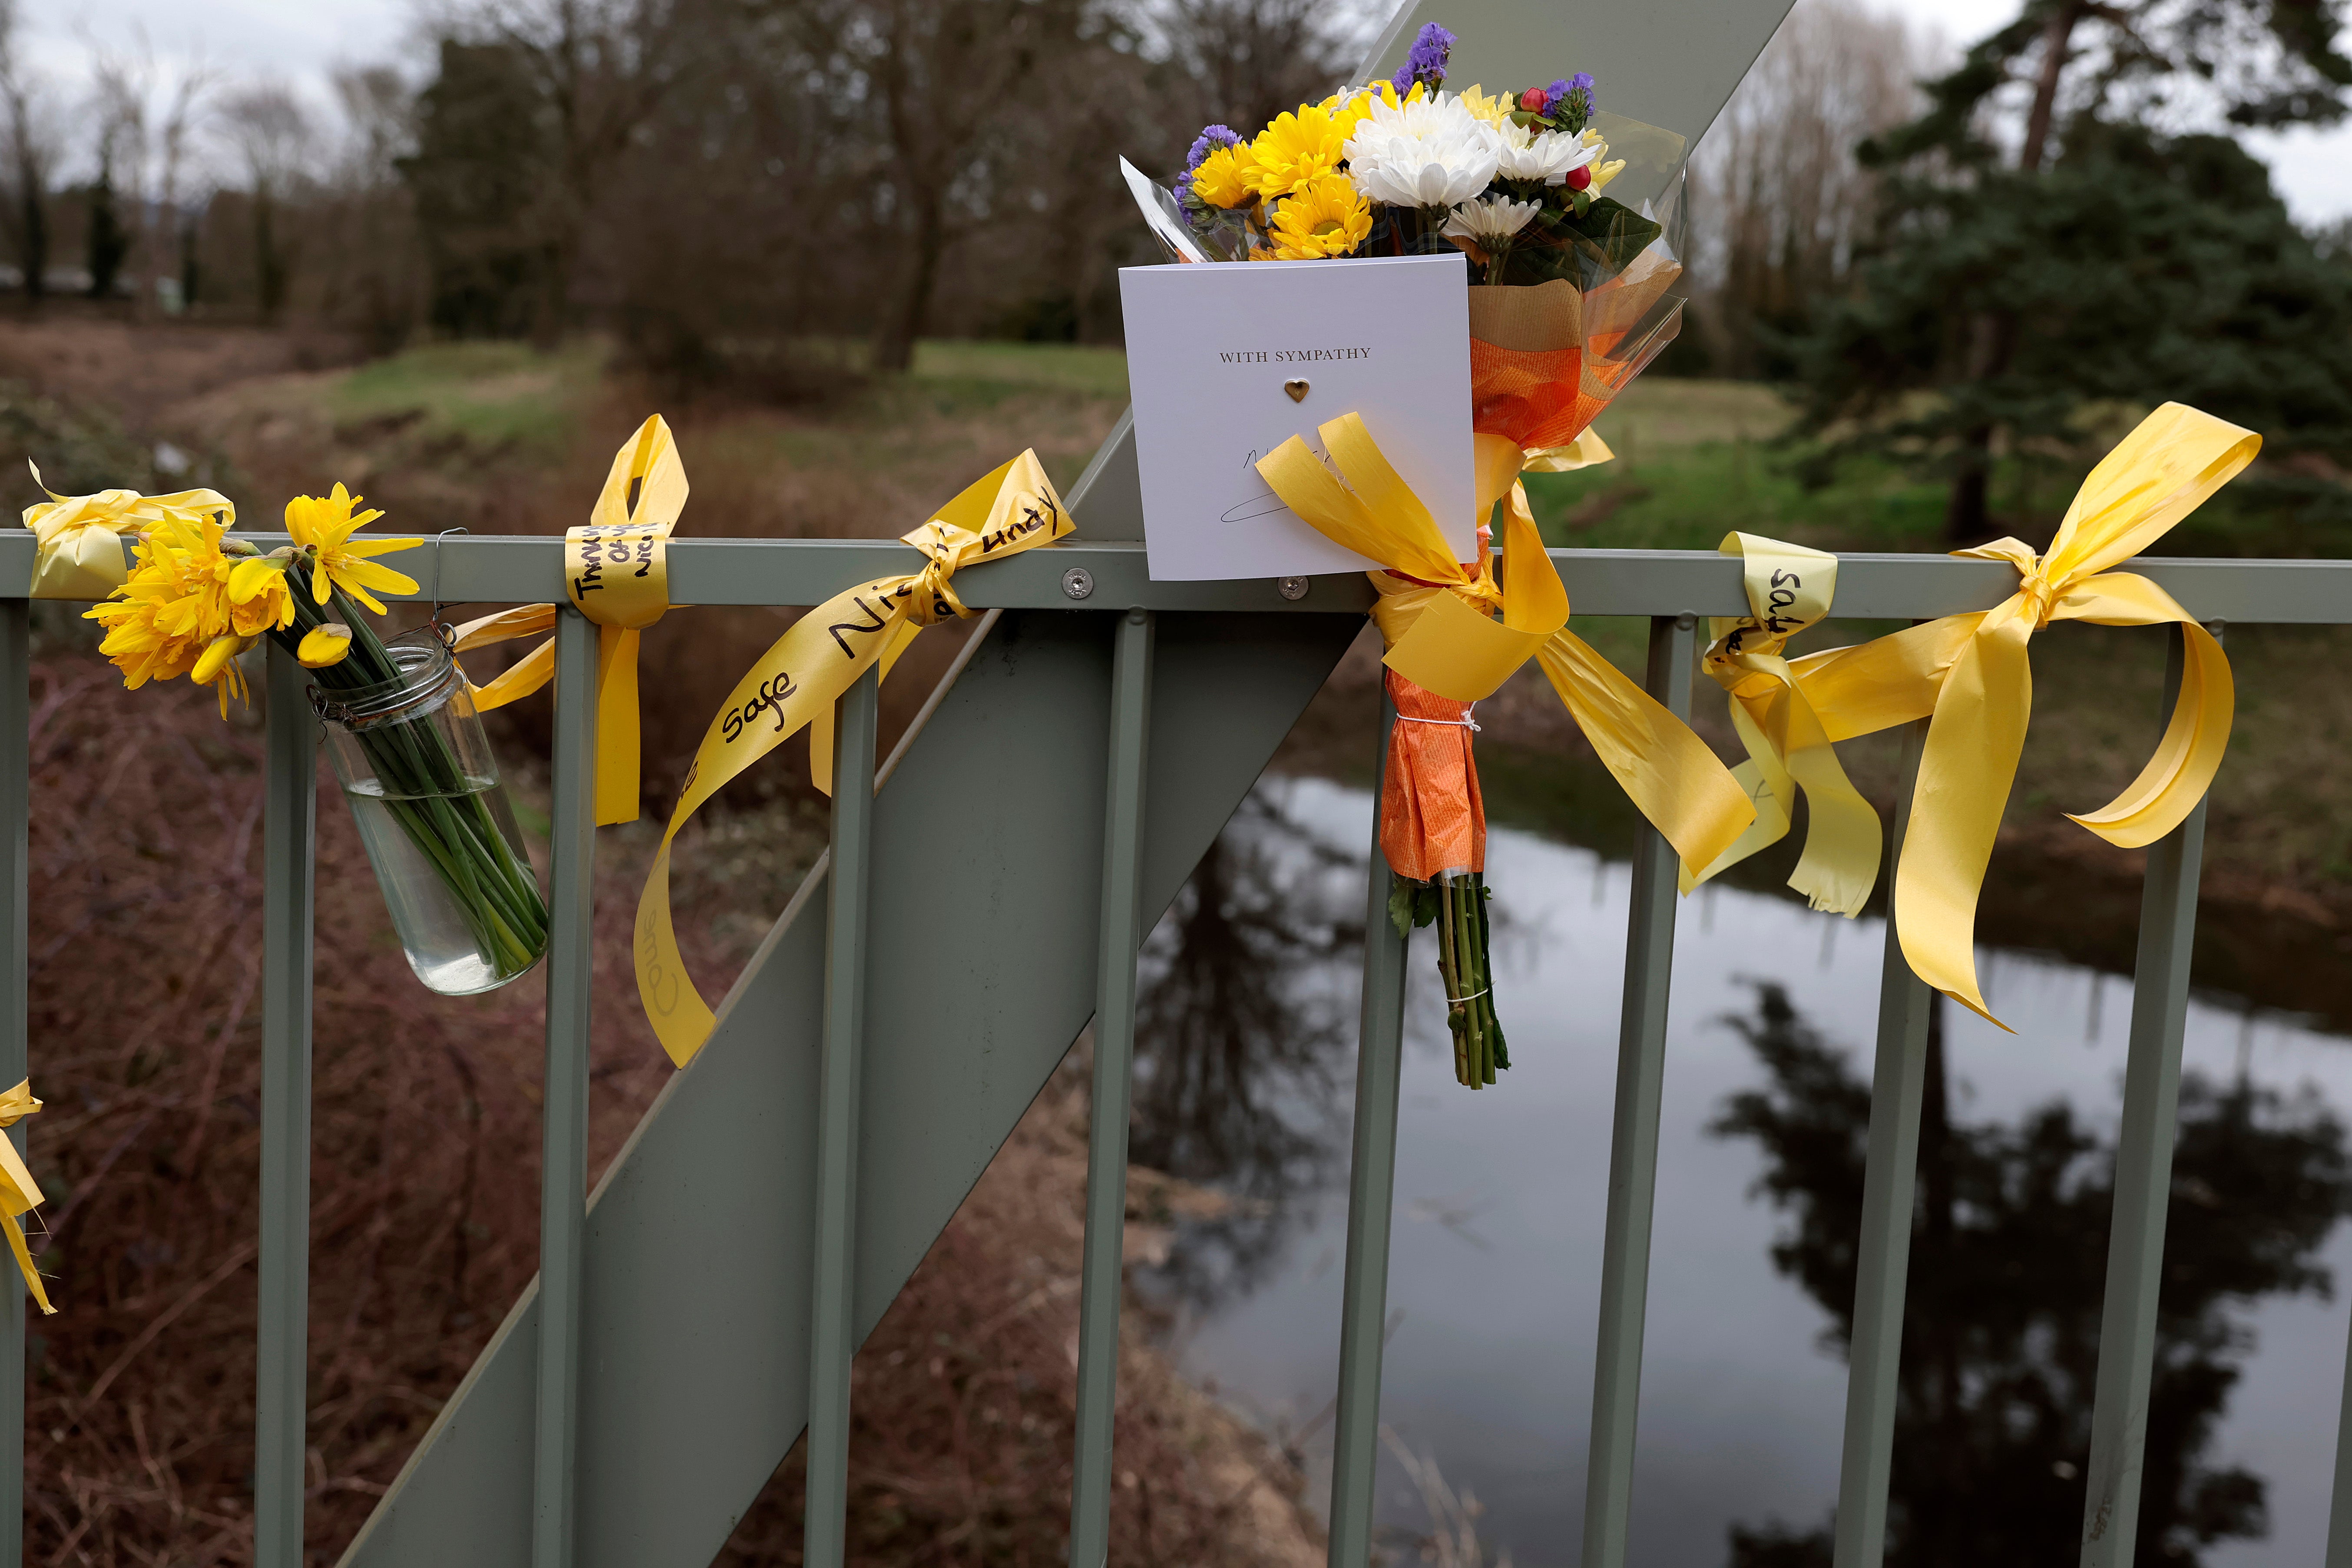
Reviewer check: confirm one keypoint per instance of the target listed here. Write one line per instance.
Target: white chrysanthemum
(1547, 157)
(1490, 222)
(1432, 153)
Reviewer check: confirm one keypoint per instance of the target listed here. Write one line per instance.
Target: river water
(1495, 1285)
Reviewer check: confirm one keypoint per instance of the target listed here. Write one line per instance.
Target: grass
(493, 396)
(1067, 367)
(1698, 460)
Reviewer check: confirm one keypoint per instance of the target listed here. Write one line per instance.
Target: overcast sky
(304, 39)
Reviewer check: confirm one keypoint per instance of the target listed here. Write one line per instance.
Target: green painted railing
(1672, 590)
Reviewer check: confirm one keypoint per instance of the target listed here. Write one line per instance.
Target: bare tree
(272, 136)
(1250, 60)
(31, 153)
(371, 271)
(145, 115)
(1782, 200)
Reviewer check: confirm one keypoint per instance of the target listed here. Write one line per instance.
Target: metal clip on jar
(425, 790)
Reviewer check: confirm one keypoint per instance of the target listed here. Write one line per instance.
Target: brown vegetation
(146, 1030)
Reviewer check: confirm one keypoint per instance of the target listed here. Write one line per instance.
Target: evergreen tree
(108, 242)
(2025, 269)
(483, 153)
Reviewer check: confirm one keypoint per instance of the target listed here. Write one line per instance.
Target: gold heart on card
(1296, 387)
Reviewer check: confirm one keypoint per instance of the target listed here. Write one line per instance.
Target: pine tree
(2022, 269)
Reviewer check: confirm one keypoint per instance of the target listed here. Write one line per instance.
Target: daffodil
(322, 528)
(175, 604)
(258, 597)
(324, 644)
(1295, 147)
(1221, 180)
(1326, 217)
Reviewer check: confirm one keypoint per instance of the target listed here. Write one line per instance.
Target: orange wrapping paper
(1432, 818)
(1529, 351)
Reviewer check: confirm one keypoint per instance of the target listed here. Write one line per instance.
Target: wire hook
(434, 619)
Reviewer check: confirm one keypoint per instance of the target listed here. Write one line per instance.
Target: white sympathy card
(1228, 360)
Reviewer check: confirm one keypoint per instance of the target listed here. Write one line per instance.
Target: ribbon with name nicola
(798, 680)
(1789, 588)
(1969, 676)
(616, 573)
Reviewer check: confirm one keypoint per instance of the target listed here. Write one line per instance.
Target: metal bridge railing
(1672, 589)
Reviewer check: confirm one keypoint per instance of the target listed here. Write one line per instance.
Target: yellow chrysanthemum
(1494, 108)
(1221, 180)
(1295, 147)
(323, 527)
(1326, 217)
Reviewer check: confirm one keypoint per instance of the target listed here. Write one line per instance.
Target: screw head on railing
(1077, 582)
(1291, 588)
(1685, 621)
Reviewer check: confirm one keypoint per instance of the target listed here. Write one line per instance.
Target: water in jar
(451, 953)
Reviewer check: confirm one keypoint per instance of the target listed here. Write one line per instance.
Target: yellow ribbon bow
(616, 573)
(19, 1193)
(78, 540)
(1789, 588)
(799, 678)
(1441, 634)
(1972, 674)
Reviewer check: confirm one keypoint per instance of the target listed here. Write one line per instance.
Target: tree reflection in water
(2008, 1267)
(1245, 1020)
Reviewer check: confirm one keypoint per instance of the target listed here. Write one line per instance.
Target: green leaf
(1587, 247)
(1401, 905)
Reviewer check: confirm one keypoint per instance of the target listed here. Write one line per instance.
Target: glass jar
(424, 788)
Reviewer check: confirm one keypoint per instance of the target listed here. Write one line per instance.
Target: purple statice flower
(1212, 138)
(1571, 99)
(1426, 63)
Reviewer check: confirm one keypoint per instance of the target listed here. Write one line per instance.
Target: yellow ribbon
(1789, 588)
(78, 540)
(1441, 634)
(1586, 451)
(1011, 509)
(616, 573)
(1972, 675)
(19, 1193)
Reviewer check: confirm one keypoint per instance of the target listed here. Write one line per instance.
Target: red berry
(1533, 101)
(1578, 178)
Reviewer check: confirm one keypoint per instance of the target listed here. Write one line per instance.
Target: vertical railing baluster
(1883, 1263)
(2168, 929)
(1102, 1274)
(1372, 1196)
(15, 1055)
(290, 823)
(1634, 1141)
(833, 1326)
(563, 1107)
(2339, 1507)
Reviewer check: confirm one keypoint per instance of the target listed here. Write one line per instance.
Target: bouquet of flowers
(1570, 298)
(435, 819)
